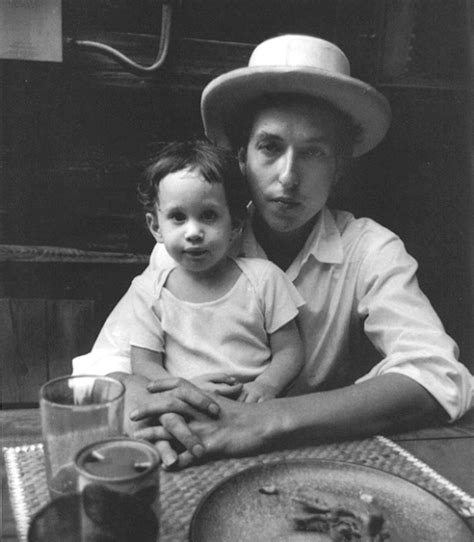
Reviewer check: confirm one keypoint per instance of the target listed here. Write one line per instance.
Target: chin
(285, 227)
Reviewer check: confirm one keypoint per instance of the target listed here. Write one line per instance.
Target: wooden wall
(74, 136)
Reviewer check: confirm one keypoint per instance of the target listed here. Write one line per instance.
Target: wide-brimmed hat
(295, 64)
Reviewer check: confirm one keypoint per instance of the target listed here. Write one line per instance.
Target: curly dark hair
(216, 165)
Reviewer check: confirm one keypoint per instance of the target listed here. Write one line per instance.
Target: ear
(237, 227)
(242, 156)
(153, 226)
(342, 167)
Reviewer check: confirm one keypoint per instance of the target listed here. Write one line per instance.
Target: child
(206, 312)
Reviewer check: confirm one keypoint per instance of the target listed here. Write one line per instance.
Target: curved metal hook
(166, 16)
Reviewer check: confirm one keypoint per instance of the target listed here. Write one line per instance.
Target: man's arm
(384, 404)
(401, 323)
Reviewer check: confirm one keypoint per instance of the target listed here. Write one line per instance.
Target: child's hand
(220, 383)
(256, 392)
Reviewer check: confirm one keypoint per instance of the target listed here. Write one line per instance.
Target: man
(296, 118)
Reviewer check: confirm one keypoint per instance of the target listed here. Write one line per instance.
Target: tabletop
(449, 450)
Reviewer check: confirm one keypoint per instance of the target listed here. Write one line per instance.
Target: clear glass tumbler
(76, 411)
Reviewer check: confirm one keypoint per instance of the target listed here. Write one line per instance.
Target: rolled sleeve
(401, 323)
(111, 350)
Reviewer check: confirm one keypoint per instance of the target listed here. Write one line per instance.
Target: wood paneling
(37, 254)
(38, 339)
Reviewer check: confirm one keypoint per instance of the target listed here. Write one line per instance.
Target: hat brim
(224, 99)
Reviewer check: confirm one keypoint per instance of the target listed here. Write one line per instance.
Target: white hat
(299, 65)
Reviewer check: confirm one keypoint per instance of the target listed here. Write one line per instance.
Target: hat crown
(297, 51)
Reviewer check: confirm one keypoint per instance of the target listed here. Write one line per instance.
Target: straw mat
(181, 491)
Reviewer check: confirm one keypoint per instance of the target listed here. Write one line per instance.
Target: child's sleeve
(146, 330)
(281, 299)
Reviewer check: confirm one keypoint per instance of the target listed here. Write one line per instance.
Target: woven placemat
(181, 491)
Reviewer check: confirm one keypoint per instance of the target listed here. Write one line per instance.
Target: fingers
(173, 427)
(178, 402)
(181, 394)
(228, 391)
(176, 426)
(167, 384)
(220, 383)
(152, 433)
(169, 457)
(219, 378)
(160, 405)
(185, 459)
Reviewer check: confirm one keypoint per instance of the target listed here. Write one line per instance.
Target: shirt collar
(324, 242)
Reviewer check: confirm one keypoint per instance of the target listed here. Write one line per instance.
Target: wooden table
(449, 450)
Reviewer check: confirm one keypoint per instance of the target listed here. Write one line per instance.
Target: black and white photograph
(237, 270)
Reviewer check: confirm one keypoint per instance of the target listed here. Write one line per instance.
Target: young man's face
(194, 221)
(290, 163)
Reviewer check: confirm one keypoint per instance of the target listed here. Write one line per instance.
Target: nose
(194, 231)
(288, 173)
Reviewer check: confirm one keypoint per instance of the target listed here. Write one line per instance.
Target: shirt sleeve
(145, 325)
(111, 351)
(402, 324)
(281, 299)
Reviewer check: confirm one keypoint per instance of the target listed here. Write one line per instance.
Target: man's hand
(158, 411)
(220, 383)
(240, 429)
(175, 395)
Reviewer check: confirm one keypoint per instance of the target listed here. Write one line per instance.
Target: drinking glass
(76, 411)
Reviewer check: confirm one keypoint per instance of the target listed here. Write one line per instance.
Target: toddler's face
(194, 221)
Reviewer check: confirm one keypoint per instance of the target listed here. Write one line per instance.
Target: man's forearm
(135, 389)
(384, 404)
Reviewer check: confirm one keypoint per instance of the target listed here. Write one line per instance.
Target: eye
(209, 215)
(313, 152)
(178, 217)
(268, 147)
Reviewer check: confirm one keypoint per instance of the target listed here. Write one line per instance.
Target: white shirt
(228, 334)
(354, 275)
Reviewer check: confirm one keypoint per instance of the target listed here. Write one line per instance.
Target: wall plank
(70, 328)
(38, 338)
(23, 349)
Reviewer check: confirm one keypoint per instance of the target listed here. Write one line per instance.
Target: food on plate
(340, 517)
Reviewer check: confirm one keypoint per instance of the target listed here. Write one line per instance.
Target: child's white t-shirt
(229, 334)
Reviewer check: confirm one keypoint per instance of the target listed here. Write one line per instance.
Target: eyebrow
(179, 208)
(170, 209)
(313, 139)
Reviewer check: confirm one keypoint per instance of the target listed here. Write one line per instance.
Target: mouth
(286, 202)
(194, 252)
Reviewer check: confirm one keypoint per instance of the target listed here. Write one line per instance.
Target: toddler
(208, 315)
